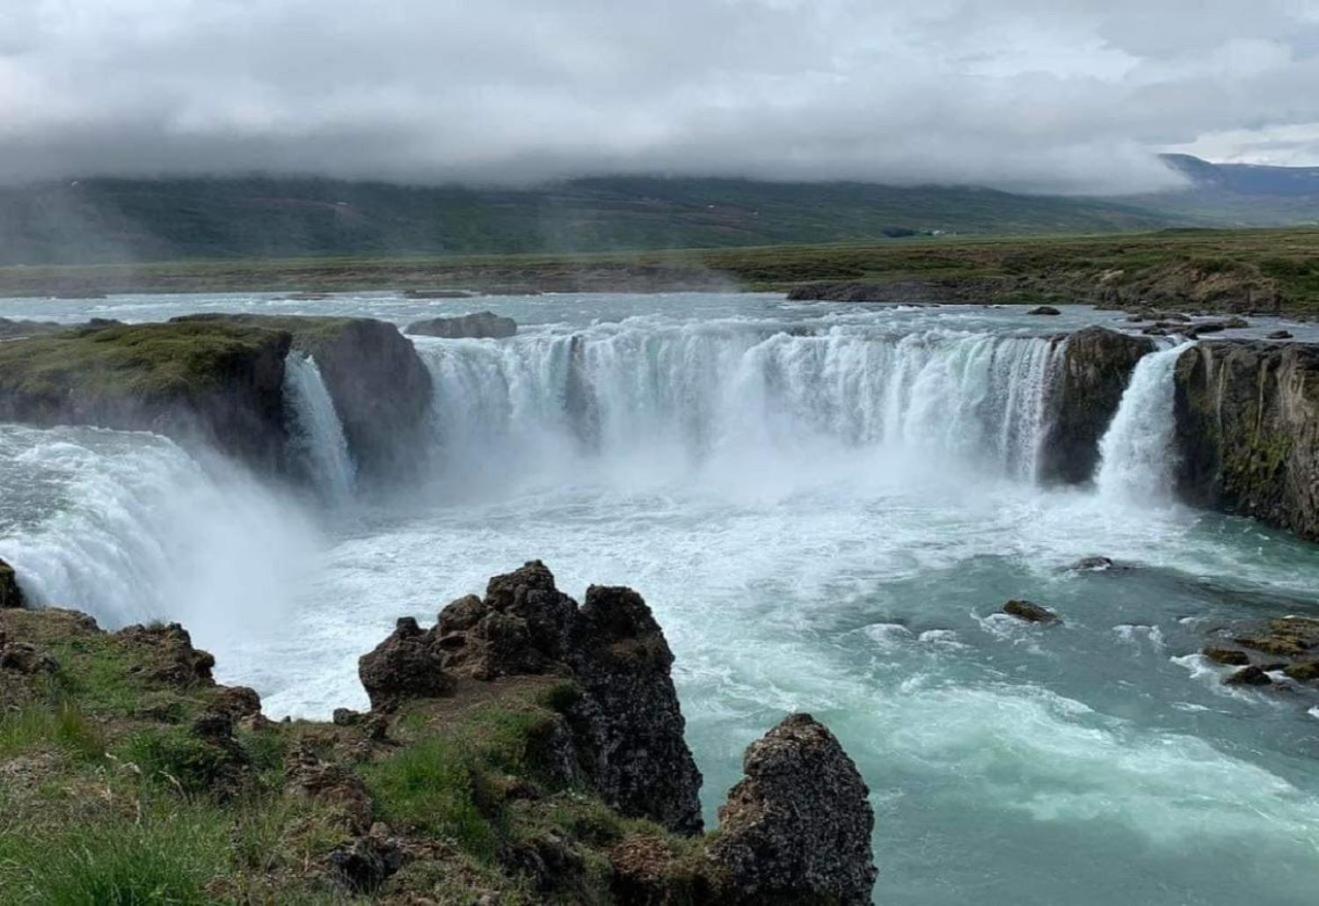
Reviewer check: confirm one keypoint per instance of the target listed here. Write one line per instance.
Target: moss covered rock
(1247, 430)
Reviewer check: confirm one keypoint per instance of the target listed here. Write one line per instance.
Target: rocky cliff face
(380, 387)
(221, 383)
(1096, 367)
(1247, 430)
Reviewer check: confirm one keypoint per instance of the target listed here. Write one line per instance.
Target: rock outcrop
(627, 725)
(380, 386)
(1247, 431)
(1096, 367)
(10, 594)
(797, 828)
(1030, 613)
(220, 383)
(479, 325)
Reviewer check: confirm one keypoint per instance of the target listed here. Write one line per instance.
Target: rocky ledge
(480, 325)
(525, 749)
(219, 380)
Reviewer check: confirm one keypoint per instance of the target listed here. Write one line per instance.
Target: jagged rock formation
(1096, 366)
(1247, 431)
(481, 786)
(220, 383)
(797, 828)
(479, 325)
(10, 594)
(627, 725)
(380, 387)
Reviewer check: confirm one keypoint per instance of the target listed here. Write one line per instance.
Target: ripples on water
(825, 505)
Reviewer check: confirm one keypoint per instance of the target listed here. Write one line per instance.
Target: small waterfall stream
(1136, 454)
(316, 436)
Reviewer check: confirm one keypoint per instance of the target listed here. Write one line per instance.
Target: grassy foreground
(117, 786)
(1195, 264)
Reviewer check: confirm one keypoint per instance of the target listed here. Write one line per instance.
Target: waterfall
(684, 393)
(316, 437)
(130, 527)
(1136, 456)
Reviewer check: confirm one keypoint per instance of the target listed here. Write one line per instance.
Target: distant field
(1193, 267)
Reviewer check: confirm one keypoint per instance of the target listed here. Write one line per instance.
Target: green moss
(144, 361)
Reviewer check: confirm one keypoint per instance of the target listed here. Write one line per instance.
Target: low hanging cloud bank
(1023, 95)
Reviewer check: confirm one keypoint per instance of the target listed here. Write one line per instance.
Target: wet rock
(1303, 671)
(797, 828)
(1096, 366)
(1031, 613)
(1289, 637)
(480, 325)
(1280, 335)
(406, 665)
(1248, 676)
(1246, 427)
(366, 863)
(437, 293)
(1091, 564)
(1044, 310)
(1229, 657)
(10, 594)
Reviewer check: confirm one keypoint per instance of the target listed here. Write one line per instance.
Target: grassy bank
(1196, 264)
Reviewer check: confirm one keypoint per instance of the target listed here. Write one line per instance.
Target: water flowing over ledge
(317, 443)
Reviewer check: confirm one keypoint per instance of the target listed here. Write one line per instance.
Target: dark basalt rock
(1091, 564)
(1031, 613)
(1246, 420)
(21, 657)
(1303, 672)
(1248, 676)
(1044, 310)
(1096, 367)
(365, 864)
(1289, 637)
(1229, 657)
(1280, 335)
(406, 665)
(627, 725)
(10, 594)
(170, 650)
(480, 325)
(797, 828)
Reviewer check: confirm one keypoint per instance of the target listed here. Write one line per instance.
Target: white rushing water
(1136, 453)
(825, 506)
(316, 436)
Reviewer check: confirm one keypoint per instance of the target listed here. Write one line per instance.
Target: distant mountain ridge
(99, 220)
(109, 220)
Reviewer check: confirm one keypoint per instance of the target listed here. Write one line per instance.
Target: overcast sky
(1044, 95)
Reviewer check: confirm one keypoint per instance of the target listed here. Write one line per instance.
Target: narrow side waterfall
(316, 435)
(130, 527)
(1136, 456)
(688, 393)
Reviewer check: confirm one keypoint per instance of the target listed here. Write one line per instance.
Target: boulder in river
(1031, 613)
(1279, 335)
(1044, 310)
(1228, 657)
(479, 325)
(1091, 564)
(797, 829)
(1097, 364)
(1248, 676)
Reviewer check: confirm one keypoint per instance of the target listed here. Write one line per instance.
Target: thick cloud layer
(1044, 95)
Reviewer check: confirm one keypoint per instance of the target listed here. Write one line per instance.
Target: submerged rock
(1229, 657)
(10, 594)
(1031, 613)
(1096, 367)
(1044, 310)
(797, 829)
(480, 325)
(1248, 676)
(1091, 564)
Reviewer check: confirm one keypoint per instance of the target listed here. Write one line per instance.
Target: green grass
(63, 727)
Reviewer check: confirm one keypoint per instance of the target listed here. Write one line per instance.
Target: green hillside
(108, 220)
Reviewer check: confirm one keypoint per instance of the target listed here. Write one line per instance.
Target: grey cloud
(1019, 94)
